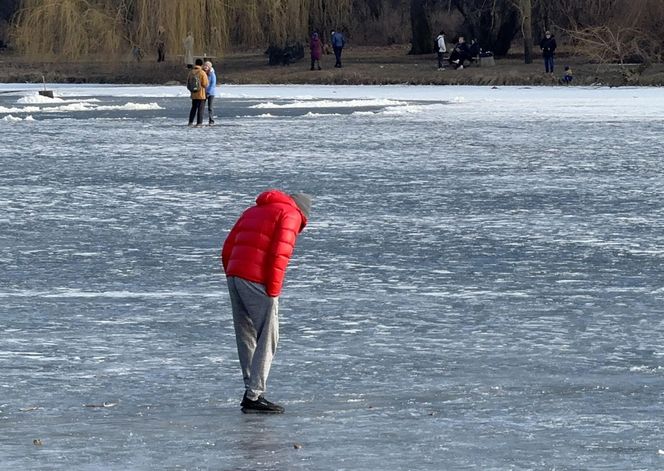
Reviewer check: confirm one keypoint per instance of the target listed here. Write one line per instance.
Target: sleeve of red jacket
(228, 247)
(281, 250)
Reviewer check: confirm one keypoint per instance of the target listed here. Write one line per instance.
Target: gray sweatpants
(256, 321)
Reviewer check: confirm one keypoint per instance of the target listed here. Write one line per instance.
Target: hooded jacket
(440, 41)
(203, 78)
(261, 242)
(316, 47)
(211, 88)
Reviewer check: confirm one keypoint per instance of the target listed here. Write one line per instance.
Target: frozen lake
(480, 287)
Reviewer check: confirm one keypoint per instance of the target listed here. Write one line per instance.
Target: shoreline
(362, 66)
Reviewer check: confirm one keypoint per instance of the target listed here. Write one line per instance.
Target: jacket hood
(277, 196)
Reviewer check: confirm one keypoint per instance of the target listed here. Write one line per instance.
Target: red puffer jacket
(261, 242)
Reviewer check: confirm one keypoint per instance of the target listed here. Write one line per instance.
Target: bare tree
(525, 9)
(606, 44)
(616, 31)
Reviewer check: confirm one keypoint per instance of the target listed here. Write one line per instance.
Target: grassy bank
(362, 65)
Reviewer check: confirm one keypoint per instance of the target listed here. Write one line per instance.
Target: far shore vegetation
(614, 42)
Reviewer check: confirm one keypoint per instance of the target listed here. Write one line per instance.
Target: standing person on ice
(255, 256)
(197, 82)
(210, 90)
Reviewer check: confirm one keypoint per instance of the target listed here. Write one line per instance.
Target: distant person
(188, 44)
(338, 42)
(474, 50)
(255, 256)
(548, 47)
(210, 90)
(197, 82)
(161, 46)
(441, 49)
(567, 76)
(316, 50)
(136, 53)
(459, 54)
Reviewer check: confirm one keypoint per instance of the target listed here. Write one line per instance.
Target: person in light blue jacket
(210, 90)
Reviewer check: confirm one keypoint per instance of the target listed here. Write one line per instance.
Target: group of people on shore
(202, 84)
(461, 52)
(337, 40)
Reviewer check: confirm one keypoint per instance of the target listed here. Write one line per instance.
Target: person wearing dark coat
(548, 47)
(459, 54)
(474, 50)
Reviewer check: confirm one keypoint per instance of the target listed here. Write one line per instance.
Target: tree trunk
(422, 42)
(494, 24)
(527, 28)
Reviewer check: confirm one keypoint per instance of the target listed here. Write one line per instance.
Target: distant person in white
(188, 44)
(441, 49)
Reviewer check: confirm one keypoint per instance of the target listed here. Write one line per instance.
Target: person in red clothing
(255, 256)
(316, 48)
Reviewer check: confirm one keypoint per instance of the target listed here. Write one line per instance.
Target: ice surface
(480, 285)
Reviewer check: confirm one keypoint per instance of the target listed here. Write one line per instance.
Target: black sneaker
(260, 406)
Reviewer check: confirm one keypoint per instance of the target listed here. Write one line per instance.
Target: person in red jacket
(255, 256)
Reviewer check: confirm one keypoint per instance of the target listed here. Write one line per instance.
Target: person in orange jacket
(198, 96)
(255, 256)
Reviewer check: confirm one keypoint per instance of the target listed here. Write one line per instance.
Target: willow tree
(67, 28)
(327, 15)
(73, 28)
(207, 20)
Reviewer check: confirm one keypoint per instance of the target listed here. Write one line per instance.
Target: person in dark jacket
(255, 256)
(474, 50)
(316, 50)
(460, 53)
(548, 47)
(161, 45)
(338, 43)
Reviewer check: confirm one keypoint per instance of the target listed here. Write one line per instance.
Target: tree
(525, 9)
(615, 31)
(422, 42)
(494, 24)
